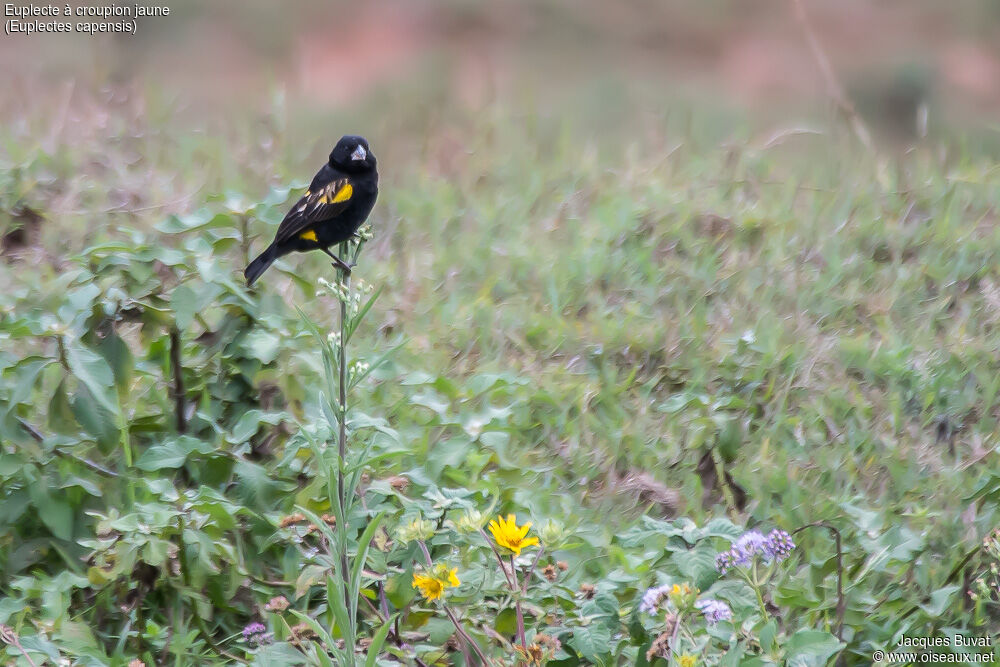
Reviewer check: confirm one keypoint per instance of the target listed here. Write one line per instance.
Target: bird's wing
(316, 206)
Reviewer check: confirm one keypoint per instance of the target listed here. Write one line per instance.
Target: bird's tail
(259, 265)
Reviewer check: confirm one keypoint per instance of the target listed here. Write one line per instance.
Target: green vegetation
(644, 349)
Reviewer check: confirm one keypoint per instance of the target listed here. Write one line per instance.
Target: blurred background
(607, 66)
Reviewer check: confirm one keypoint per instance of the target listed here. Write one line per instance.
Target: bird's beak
(359, 153)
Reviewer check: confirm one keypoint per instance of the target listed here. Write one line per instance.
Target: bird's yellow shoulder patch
(309, 236)
(342, 194)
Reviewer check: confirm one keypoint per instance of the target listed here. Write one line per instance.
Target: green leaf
(263, 345)
(698, 565)
(364, 543)
(77, 639)
(733, 657)
(329, 412)
(119, 358)
(95, 373)
(309, 576)
(497, 441)
(94, 418)
(353, 323)
(202, 218)
(324, 635)
(54, 512)
(811, 648)
(27, 372)
(603, 608)
(431, 400)
(185, 303)
(60, 413)
(278, 655)
(941, 601)
(506, 622)
(591, 641)
(767, 635)
(377, 640)
(250, 422)
(334, 584)
(172, 453)
(158, 457)
(335, 600)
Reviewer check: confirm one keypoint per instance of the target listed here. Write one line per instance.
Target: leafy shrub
(171, 467)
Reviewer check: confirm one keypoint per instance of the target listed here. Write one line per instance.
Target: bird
(337, 203)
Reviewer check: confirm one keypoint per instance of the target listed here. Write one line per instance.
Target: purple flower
(256, 634)
(742, 551)
(652, 598)
(775, 547)
(714, 610)
(778, 546)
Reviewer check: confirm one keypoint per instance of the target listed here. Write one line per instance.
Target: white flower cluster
(359, 368)
(333, 338)
(351, 298)
(354, 304)
(366, 233)
(336, 290)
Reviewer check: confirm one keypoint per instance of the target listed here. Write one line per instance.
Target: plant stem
(8, 636)
(833, 86)
(37, 436)
(538, 557)
(178, 371)
(673, 637)
(727, 493)
(755, 585)
(454, 619)
(245, 238)
(503, 568)
(841, 598)
(125, 442)
(345, 284)
(461, 631)
(516, 589)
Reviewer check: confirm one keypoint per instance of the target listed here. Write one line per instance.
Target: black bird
(337, 203)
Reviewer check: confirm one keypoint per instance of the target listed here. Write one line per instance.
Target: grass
(811, 322)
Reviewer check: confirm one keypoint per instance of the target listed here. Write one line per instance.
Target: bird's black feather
(338, 202)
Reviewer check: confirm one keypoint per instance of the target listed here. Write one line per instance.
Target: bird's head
(352, 154)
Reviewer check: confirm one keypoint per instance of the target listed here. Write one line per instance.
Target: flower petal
(523, 530)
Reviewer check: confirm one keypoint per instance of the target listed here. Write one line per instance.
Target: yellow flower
(432, 585)
(687, 660)
(509, 536)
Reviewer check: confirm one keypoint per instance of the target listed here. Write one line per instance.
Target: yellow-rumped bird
(337, 203)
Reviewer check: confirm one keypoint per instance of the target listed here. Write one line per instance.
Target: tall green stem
(755, 584)
(516, 590)
(345, 285)
(125, 442)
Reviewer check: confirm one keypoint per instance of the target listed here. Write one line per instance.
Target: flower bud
(470, 521)
(553, 533)
(418, 529)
